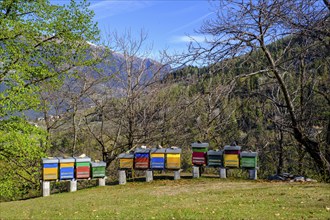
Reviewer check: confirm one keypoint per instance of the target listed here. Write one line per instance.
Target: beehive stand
(149, 176)
(177, 175)
(45, 188)
(102, 182)
(73, 185)
(122, 177)
(223, 173)
(253, 174)
(196, 172)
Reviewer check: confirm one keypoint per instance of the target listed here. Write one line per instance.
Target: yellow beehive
(231, 160)
(173, 158)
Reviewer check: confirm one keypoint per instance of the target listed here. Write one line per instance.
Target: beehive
(157, 158)
(141, 158)
(173, 158)
(49, 168)
(66, 168)
(98, 169)
(214, 158)
(199, 153)
(126, 160)
(82, 167)
(249, 159)
(231, 156)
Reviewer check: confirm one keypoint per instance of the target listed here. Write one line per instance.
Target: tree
(125, 112)
(281, 34)
(38, 42)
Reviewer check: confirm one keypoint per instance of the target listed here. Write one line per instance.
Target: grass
(203, 198)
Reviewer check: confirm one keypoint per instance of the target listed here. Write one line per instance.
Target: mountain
(111, 71)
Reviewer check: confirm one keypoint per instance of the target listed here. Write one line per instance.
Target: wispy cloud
(108, 8)
(188, 39)
(191, 23)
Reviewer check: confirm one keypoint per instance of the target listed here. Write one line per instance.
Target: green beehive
(98, 169)
(249, 159)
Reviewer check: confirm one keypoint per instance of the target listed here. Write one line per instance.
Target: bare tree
(126, 110)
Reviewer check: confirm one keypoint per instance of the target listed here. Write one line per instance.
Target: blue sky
(167, 22)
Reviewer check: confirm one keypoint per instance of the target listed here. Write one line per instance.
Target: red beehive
(198, 158)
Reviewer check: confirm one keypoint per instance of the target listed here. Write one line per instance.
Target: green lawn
(204, 198)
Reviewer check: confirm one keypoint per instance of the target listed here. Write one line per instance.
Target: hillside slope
(204, 198)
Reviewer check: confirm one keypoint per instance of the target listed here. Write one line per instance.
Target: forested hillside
(263, 82)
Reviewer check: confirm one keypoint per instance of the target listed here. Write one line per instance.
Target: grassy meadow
(164, 198)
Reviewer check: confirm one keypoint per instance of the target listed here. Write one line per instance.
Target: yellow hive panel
(66, 165)
(125, 163)
(50, 173)
(157, 155)
(231, 160)
(231, 157)
(173, 156)
(173, 160)
(50, 170)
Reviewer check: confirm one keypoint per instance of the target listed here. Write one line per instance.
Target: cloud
(191, 23)
(108, 8)
(189, 39)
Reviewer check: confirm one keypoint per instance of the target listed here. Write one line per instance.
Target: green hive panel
(82, 164)
(199, 149)
(249, 162)
(98, 172)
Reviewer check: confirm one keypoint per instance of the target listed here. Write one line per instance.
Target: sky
(167, 22)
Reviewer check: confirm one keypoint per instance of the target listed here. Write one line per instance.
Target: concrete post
(102, 182)
(73, 185)
(195, 172)
(253, 174)
(223, 173)
(45, 188)
(176, 174)
(149, 176)
(122, 177)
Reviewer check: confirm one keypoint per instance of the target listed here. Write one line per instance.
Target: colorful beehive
(249, 159)
(214, 158)
(126, 160)
(199, 153)
(141, 158)
(83, 167)
(50, 168)
(231, 156)
(173, 158)
(157, 158)
(66, 168)
(98, 169)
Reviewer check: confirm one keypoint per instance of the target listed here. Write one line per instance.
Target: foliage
(39, 42)
(22, 146)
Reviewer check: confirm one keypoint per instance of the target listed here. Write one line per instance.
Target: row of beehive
(68, 168)
(230, 157)
(156, 159)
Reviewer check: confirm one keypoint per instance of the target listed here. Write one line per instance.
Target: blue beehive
(157, 158)
(66, 168)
